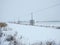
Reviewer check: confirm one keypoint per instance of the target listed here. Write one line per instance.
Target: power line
(47, 8)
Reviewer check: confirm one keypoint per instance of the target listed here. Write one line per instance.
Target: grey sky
(21, 10)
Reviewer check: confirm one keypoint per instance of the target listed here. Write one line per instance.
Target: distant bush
(3, 24)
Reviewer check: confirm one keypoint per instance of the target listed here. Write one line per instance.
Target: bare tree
(50, 43)
(1, 26)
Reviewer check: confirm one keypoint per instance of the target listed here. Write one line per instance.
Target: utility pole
(31, 15)
(32, 21)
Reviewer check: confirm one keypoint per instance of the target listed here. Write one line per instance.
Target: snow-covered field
(32, 34)
(49, 23)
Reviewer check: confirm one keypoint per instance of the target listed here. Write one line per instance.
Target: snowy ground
(49, 23)
(31, 34)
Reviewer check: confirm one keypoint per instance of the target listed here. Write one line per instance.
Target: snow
(32, 34)
(49, 23)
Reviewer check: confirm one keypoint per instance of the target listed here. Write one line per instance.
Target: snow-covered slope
(33, 34)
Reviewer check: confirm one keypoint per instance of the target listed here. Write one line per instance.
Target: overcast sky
(11, 10)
